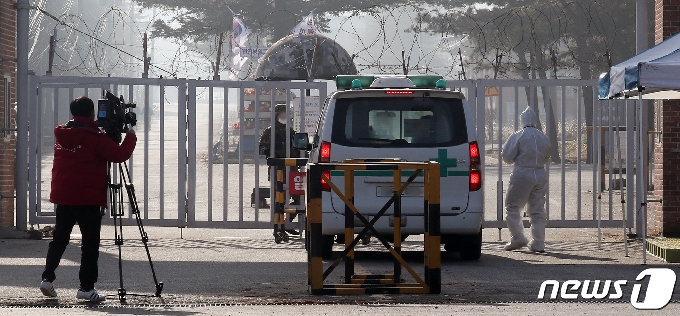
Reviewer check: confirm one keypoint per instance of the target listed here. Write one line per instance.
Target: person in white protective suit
(529, 150)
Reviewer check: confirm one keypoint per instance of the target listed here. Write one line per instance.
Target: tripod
(117, 211)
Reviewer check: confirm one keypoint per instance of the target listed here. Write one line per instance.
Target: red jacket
(81, 151)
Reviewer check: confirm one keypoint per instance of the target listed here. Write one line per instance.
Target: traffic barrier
(280, 211)
(372, 284)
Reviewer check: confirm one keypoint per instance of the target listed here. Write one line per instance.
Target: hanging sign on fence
(490, 91)
(312, 111)
(296, 185)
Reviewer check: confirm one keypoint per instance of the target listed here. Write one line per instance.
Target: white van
(412, 118)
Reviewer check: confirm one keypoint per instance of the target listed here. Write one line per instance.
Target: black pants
(89, 219)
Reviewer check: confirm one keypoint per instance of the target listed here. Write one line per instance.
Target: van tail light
(324, 185)
(398, 92)
(325, 152)
(475, 180)
(475, 168)
(325, 156)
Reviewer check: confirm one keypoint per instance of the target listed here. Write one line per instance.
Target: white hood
(528, 118)
(527, 147)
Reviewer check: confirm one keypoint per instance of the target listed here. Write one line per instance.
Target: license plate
(411, 190)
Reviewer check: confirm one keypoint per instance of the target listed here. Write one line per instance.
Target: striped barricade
(280, 210)
(384, 283)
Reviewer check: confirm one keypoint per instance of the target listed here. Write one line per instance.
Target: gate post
(433, 236)
(191, 153)
(22, 119)
(349, 226)
(182, 201)
(315, 253)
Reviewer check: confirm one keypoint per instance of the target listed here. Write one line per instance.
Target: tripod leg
(130, 188)
(116, 195)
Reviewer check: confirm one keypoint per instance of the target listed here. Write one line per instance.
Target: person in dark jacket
(79, 190)
(280, 127)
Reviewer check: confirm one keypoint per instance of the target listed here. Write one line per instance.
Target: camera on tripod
(115, 116)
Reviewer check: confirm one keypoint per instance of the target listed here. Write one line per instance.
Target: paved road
(211, 266)
(353, 309)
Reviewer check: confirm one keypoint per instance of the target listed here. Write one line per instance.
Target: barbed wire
(553, 19)
(394, 39)
(94, 58)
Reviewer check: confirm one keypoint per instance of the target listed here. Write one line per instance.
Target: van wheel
(327, 251)
(472, 247)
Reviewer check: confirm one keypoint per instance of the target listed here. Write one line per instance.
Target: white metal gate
(158, 165)
(228, 194)
(197, 162)
(580, 194)
(174, 164)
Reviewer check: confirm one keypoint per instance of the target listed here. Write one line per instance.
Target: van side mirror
(301, 141)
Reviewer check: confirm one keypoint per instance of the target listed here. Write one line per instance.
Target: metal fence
(590, 182)
(228, 194)
(197, 161)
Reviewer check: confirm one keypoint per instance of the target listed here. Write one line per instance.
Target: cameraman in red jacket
(79, 190)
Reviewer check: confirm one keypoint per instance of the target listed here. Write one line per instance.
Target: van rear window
(399, 122)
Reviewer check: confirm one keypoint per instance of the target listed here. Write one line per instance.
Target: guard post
(371, 284)
(279, 203)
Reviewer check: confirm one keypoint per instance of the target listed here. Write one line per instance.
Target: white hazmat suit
(529, 150)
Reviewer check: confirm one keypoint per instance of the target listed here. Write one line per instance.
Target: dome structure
(303, 57)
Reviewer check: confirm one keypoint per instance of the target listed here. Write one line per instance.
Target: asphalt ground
(351, 309)
(216, 271)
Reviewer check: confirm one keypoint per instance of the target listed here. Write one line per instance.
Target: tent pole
(620, 175)
(642, 177)
(630, 170)
(600, 160)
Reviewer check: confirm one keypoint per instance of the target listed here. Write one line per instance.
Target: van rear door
(421, 126)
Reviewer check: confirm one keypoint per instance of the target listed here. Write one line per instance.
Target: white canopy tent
(653, 75)
(655, 72)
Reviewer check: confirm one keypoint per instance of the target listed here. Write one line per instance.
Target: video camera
(115, 116)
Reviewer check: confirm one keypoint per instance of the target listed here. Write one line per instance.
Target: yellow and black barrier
(372, 284)
(280, 210)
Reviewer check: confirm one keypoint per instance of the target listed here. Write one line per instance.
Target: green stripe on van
(374, 173)
(388, 173)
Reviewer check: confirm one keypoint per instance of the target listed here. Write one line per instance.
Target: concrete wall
(665, 218)
(7, 101)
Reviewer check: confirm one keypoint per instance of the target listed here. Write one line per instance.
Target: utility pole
(641, 44)
(609, 58)
(553, 58)
(50, 61)
(216, 75)
(499, 57)
(147, 60)
(404, 63)
(21, 179)
(462, 67)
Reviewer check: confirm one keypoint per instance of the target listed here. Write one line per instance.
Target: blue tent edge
(632, 73)
(603, 85)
